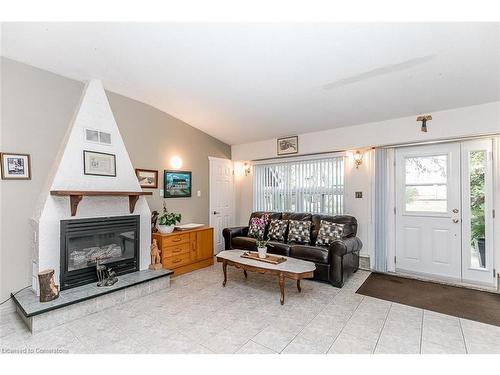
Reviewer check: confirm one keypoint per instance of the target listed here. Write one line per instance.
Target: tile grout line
(350, 316)
(463, 335)
(383, 325)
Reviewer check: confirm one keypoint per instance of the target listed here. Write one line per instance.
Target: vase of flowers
(262, 248)
(167, 221)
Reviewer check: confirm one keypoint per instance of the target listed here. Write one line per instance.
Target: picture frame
(99, 164)
(15, 166)
(287, 145)
(148, 178)
(177, 184)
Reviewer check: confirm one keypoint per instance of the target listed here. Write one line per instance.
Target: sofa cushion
(310, 253)
(257, 227)
(329, 232)
(278, 248)
(299, 232)
(350, 224)
(277, 230)
(244, 243)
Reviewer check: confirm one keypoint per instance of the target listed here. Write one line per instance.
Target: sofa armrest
(230, 233)
(345, 246)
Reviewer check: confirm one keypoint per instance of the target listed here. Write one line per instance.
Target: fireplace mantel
(76, 196)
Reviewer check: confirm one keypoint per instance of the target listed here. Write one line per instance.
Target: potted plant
(167, 221)
(262, 248)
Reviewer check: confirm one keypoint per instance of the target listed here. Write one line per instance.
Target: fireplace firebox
(112, 240)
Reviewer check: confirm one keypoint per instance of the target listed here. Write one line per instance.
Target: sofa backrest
(350, 222)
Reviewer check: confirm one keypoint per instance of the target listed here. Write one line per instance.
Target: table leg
(282, 288)
(245, 273)
(298, 286)
(224, 268)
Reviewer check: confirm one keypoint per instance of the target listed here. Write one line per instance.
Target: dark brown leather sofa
(333, 263)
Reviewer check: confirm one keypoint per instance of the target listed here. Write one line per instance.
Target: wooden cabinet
(186, 251)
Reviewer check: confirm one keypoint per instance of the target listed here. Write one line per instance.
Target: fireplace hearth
(114, 241)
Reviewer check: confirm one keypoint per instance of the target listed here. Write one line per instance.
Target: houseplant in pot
(167, 221)
(262, 248)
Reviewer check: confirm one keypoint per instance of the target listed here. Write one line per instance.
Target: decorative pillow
(277, 229)
(258, 226)
(329, 232)
(299, 232)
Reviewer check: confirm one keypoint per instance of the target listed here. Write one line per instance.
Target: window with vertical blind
(315, 186)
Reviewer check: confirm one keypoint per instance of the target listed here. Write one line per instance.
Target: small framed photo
(15, 166)
(177, 184)
(99, 164)
(148, 178)
(288, 145)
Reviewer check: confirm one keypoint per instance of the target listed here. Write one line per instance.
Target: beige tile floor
(197, 315)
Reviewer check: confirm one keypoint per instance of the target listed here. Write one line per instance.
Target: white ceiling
(248, 82)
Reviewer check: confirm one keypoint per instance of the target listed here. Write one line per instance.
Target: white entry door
(428, 229)
(444, 217)
(221, 199)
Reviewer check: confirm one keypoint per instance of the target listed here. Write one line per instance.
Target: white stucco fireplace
(94, 114)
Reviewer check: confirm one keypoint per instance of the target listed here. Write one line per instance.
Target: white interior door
(477, 212)
(221, 198)
(428, 230)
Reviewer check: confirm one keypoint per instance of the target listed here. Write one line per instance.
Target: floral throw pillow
(329, 232)
(258, 226)
(299, 232)
(277, 229)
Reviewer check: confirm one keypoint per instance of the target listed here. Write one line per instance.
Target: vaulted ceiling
(242, 82)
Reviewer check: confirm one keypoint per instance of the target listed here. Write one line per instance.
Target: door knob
(455, 210)
(456, 221)
(216, 212)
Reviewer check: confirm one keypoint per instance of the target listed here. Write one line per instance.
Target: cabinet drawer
(175, 240)
(173, 250)
(176, 260)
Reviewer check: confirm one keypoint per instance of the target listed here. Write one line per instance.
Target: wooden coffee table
(292, 268)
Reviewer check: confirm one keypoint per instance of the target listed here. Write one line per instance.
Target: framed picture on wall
(288, 145)
(177, 184)
(148, 178)
(15, 166)
(99, 164)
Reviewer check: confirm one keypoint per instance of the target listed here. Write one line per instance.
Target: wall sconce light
(358, 159)
(247, 168)
(176, 162)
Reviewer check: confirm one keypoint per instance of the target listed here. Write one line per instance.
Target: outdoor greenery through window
(426, 179)
(477, 170)
(315, 186)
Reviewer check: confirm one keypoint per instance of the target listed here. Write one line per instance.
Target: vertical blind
(315, 186)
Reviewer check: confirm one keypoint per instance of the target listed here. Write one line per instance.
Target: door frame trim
(495, 194)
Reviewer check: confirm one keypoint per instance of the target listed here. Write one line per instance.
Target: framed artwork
(99, 164)
(15, 166)
(288, 145)
(148, 178)
(177, 184)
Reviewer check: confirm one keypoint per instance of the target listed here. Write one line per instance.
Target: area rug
(465, 303)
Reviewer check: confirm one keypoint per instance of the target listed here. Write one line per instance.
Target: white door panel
(444, 206)
(221, 199)
(428, 197)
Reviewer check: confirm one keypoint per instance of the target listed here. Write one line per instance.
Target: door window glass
(426, 183)
(477, 170)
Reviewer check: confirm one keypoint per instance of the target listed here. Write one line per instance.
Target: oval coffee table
(292, 268)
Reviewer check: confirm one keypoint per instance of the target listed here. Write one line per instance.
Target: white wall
(459, 122)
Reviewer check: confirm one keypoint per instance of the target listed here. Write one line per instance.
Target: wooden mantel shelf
(76, 196)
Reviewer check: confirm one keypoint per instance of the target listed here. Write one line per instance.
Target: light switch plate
(161, 193)
(198, 193)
